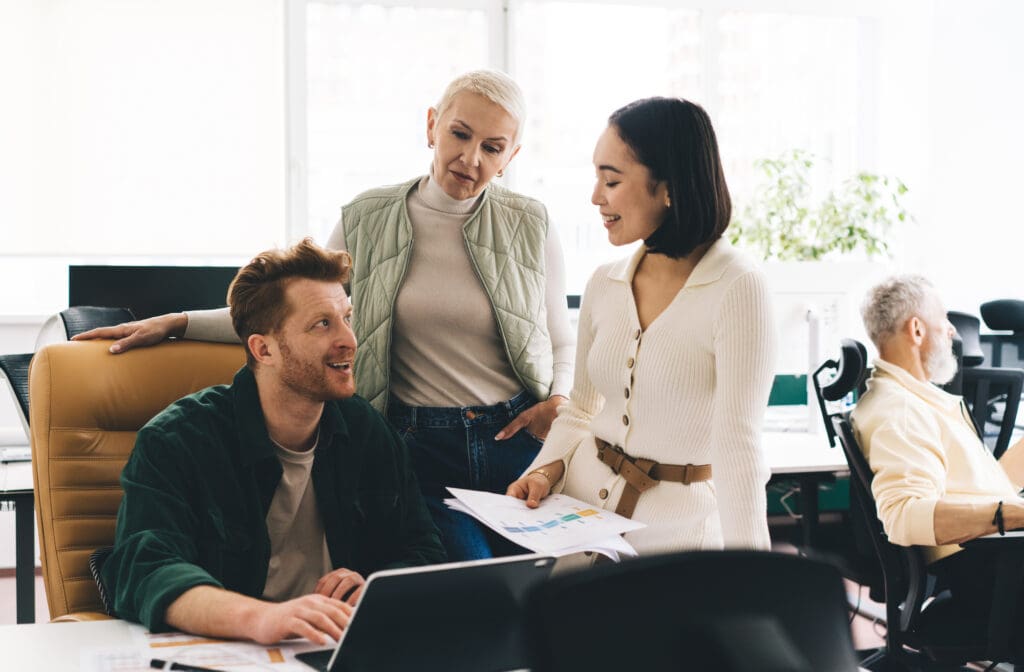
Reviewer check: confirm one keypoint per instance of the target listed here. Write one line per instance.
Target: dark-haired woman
(675, 349)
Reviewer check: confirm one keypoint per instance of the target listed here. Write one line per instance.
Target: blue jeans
(456, 447)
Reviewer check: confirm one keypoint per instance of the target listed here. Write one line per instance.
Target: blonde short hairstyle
(496, 87)
(892, 302)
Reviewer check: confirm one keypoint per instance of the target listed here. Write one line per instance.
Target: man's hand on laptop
(314, 617)
(341, 584)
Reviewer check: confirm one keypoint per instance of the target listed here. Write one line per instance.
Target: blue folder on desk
(456, 616)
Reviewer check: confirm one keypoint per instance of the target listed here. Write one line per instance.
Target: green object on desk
(788, 390)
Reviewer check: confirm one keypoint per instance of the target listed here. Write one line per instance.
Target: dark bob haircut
(674, 139)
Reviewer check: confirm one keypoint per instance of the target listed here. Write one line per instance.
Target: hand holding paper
(559, 526)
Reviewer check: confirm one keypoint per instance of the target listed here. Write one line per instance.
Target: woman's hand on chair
(141, 333)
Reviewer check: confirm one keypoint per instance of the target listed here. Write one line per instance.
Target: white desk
(16, 487)
(74, 646)
(802, 453)
(809, 459)
(57, 646)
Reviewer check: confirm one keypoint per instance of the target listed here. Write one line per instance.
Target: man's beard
(305, 377)
(939, 363)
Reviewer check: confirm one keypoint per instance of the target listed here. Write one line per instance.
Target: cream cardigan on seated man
(922, 447)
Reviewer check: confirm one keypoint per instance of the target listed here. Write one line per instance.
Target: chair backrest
(983, 383)
(721, 610)
(904, 570)
(969, 328)
(835, 380)
(15, 369)
(1004, 315)
(79, 319)
(849, 373)
(86, 407)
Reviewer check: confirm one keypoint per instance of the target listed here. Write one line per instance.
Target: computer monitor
(150, 290)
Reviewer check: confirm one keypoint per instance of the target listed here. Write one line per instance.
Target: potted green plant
(783, 221)
(822, 249)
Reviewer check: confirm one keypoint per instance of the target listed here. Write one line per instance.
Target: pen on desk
(158, 664)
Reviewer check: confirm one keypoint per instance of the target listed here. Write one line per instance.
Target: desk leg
(25, 561)
(809, 507)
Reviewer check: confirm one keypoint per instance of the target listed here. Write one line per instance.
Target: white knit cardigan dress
(691, 388)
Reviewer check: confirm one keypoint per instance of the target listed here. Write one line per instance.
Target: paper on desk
(559, 526)
(199, 651)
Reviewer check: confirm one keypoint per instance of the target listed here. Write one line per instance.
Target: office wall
(971, 235)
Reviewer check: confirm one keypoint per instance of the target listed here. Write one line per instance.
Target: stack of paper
(559, 526)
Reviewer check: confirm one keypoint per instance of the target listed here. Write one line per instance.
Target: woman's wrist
(553, 471)
(546, 474)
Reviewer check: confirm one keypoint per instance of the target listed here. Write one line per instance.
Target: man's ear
(263, 348)
(916, 331)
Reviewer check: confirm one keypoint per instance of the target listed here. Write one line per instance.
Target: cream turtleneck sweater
(446, 349)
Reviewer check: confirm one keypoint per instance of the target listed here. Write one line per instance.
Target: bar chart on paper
(559, 526)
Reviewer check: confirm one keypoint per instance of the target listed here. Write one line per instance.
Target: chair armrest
(995, 542)
(82, 616)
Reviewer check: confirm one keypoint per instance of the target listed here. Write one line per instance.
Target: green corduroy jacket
(201, 478)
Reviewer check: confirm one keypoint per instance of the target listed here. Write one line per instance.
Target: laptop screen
(456, 616)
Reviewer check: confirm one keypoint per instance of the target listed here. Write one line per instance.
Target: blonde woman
(459, 295)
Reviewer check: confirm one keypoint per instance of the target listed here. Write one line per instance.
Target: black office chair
(79, 319)
(850, 547)
(709, 610)
(15, 369)
(915, 623)
(71, 322)
(993, 397)
(968, 327)
(1005, 315)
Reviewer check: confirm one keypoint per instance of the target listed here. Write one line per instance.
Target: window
(373, 71)
(137, 133)
(183, 131)
(577, 62)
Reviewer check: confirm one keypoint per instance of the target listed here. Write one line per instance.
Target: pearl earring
(501, 173)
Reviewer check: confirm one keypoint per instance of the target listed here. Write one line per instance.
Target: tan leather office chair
(86, 406)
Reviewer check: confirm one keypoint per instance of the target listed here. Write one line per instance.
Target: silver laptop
(455, 616)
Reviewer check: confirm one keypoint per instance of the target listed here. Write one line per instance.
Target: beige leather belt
(642, 474)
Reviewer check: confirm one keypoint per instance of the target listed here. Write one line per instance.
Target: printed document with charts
(559, 526)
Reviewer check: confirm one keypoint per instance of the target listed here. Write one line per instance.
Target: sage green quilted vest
(505, 239)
